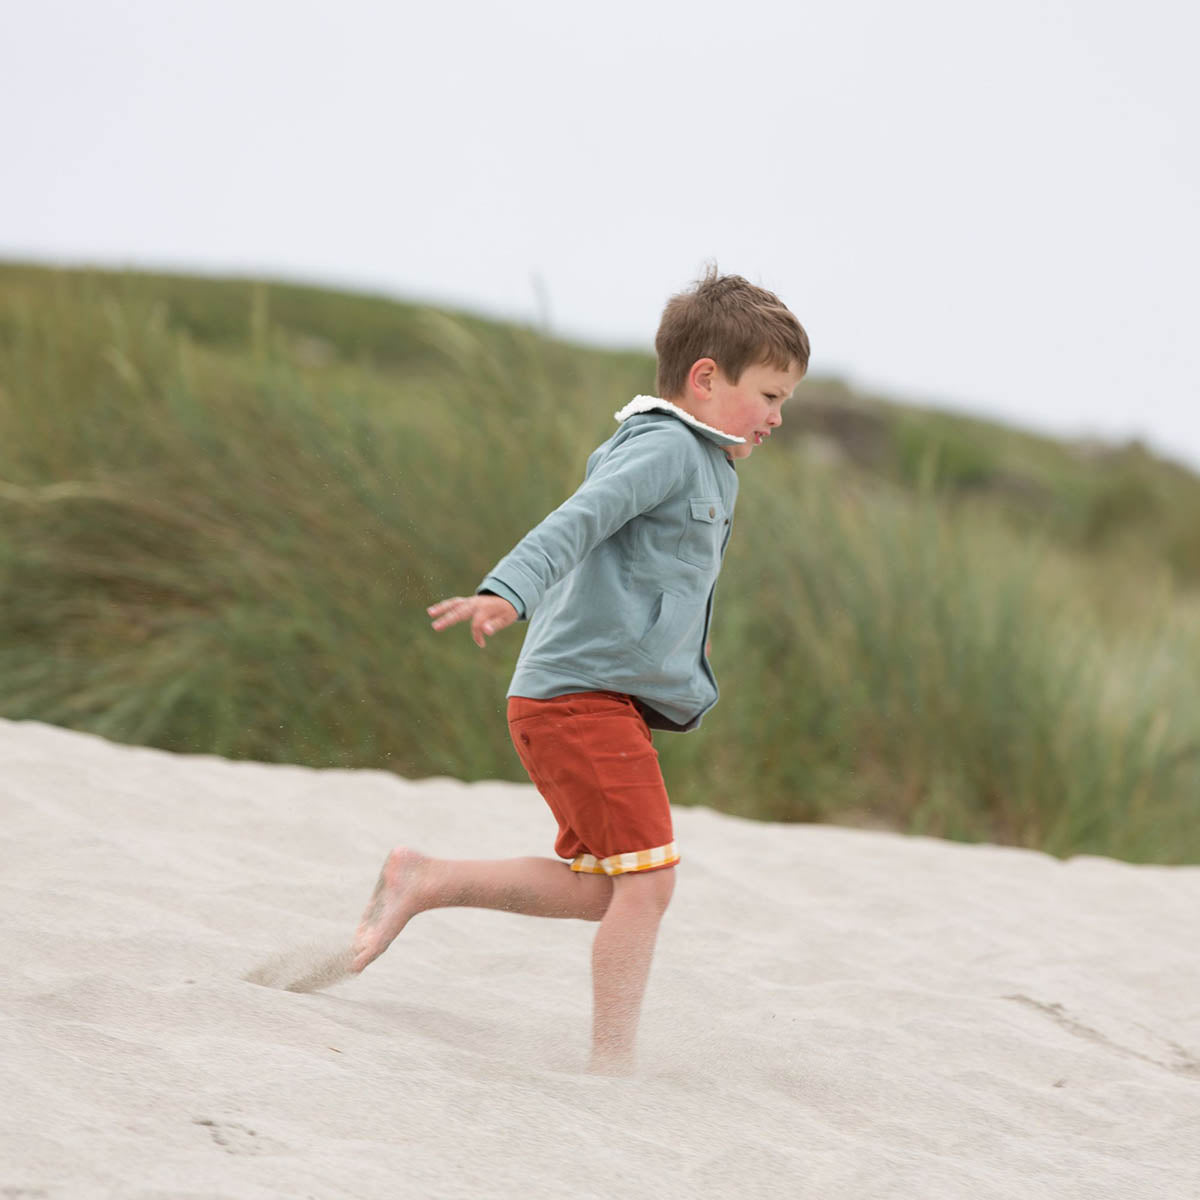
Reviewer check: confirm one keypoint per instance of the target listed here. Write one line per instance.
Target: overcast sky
(978, 205)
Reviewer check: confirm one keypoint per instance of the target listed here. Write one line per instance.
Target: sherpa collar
(645, 404)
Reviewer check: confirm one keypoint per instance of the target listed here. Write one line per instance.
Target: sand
(833, 1013)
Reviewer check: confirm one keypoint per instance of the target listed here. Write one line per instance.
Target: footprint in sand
(239, 1139)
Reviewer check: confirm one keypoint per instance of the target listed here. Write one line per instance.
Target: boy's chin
(744, 450)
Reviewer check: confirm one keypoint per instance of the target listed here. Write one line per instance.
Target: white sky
(980, 205)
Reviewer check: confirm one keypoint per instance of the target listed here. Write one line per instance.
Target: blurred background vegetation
(225, 504)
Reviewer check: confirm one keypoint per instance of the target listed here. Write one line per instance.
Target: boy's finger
(452, 618)
(440, 607)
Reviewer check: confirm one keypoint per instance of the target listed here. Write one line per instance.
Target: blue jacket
(618, 580)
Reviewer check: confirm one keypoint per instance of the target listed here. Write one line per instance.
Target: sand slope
(833, 1013)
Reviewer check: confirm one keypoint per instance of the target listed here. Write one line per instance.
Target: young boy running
(617, 584)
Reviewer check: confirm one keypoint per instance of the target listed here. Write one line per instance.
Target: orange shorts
(591, 757)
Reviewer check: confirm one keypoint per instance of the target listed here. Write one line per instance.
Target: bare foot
(393, 904)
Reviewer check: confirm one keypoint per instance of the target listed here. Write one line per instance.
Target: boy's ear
(700, 377)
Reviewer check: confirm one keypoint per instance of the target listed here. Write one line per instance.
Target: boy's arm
(638, 474)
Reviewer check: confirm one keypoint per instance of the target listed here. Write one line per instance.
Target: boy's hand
(487, 614)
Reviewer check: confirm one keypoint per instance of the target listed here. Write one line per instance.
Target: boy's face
(752, 407)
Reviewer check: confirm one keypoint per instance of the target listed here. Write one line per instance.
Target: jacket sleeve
(637, 474)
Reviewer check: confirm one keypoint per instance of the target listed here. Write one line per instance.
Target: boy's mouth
(761, 435)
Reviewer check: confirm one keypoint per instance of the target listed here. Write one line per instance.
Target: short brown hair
(733, 322)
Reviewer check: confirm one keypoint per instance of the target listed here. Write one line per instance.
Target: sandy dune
(833, 1013)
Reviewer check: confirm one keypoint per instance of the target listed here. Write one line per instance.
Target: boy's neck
(699, 410)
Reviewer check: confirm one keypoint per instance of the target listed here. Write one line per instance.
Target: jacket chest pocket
(704, 526)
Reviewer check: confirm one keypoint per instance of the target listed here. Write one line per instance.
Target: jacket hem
(536, 683)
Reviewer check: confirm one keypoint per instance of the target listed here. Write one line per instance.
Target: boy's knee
(597, 891)
(647, 889)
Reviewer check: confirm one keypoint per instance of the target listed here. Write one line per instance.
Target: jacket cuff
(497, 588)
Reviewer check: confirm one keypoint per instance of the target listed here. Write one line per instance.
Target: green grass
(225, 505)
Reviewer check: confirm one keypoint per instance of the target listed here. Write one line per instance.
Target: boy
(618, 585)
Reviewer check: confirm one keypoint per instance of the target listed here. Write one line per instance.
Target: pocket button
(712, 512)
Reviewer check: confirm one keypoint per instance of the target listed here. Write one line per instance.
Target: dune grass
(224, 507)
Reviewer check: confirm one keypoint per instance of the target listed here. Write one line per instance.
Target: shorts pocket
(700, 543)
(595, 704)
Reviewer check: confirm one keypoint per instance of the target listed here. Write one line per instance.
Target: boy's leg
(411, 883)
(621, 957)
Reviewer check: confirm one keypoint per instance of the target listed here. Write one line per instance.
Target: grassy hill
(224, 505)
